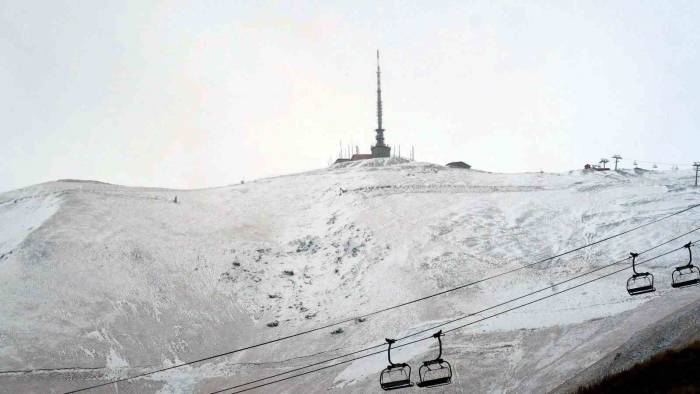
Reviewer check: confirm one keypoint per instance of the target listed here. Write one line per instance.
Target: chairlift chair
(686, 275)
(640, 282)
(395, 376)
(435, 372)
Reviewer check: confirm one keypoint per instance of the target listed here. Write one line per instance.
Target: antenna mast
(380, 130)
(380, 149)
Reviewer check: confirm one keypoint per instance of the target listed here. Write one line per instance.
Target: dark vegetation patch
(673, 371)
(337, 331)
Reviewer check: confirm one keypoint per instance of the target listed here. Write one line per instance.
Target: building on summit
(380, 149)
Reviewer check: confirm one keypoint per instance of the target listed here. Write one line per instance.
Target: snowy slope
(103, 281)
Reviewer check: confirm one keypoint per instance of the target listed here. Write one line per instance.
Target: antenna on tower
(379, 97)
(380, 149)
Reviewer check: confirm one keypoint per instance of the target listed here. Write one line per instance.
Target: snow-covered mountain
(100, 281)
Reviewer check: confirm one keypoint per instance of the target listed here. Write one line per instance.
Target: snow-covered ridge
(370, 163)
(123, 279)
(19, 219)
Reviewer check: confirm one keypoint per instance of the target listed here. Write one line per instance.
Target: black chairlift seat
(686, 275)
(395, 376)
(435, 372)
(640, 282)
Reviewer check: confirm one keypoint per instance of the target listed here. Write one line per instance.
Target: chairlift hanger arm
(634, 257)
(438, 335)
(388, 352)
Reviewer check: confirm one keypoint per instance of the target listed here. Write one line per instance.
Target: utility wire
(464, 316)
(279, 339)
(450, 330)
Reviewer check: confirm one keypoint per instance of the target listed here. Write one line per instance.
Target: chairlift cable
(450, 330)
(459, 318)
(464, 316)
(570, 288)
(279, 339)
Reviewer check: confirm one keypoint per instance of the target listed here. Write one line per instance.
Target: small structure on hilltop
(361, 156)
(594, 167)
(459, 164)
(380, 149)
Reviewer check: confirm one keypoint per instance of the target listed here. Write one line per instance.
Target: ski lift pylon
(640, 282)
(686, 275)
(436, 372)
(395, 376)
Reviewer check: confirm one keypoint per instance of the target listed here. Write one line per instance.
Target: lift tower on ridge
(617, 158)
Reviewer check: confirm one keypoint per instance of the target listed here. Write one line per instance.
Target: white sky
(197, 94)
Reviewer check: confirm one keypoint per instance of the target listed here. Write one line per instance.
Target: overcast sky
(207, 93)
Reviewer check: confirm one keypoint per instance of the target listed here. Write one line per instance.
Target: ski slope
(102, 281)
